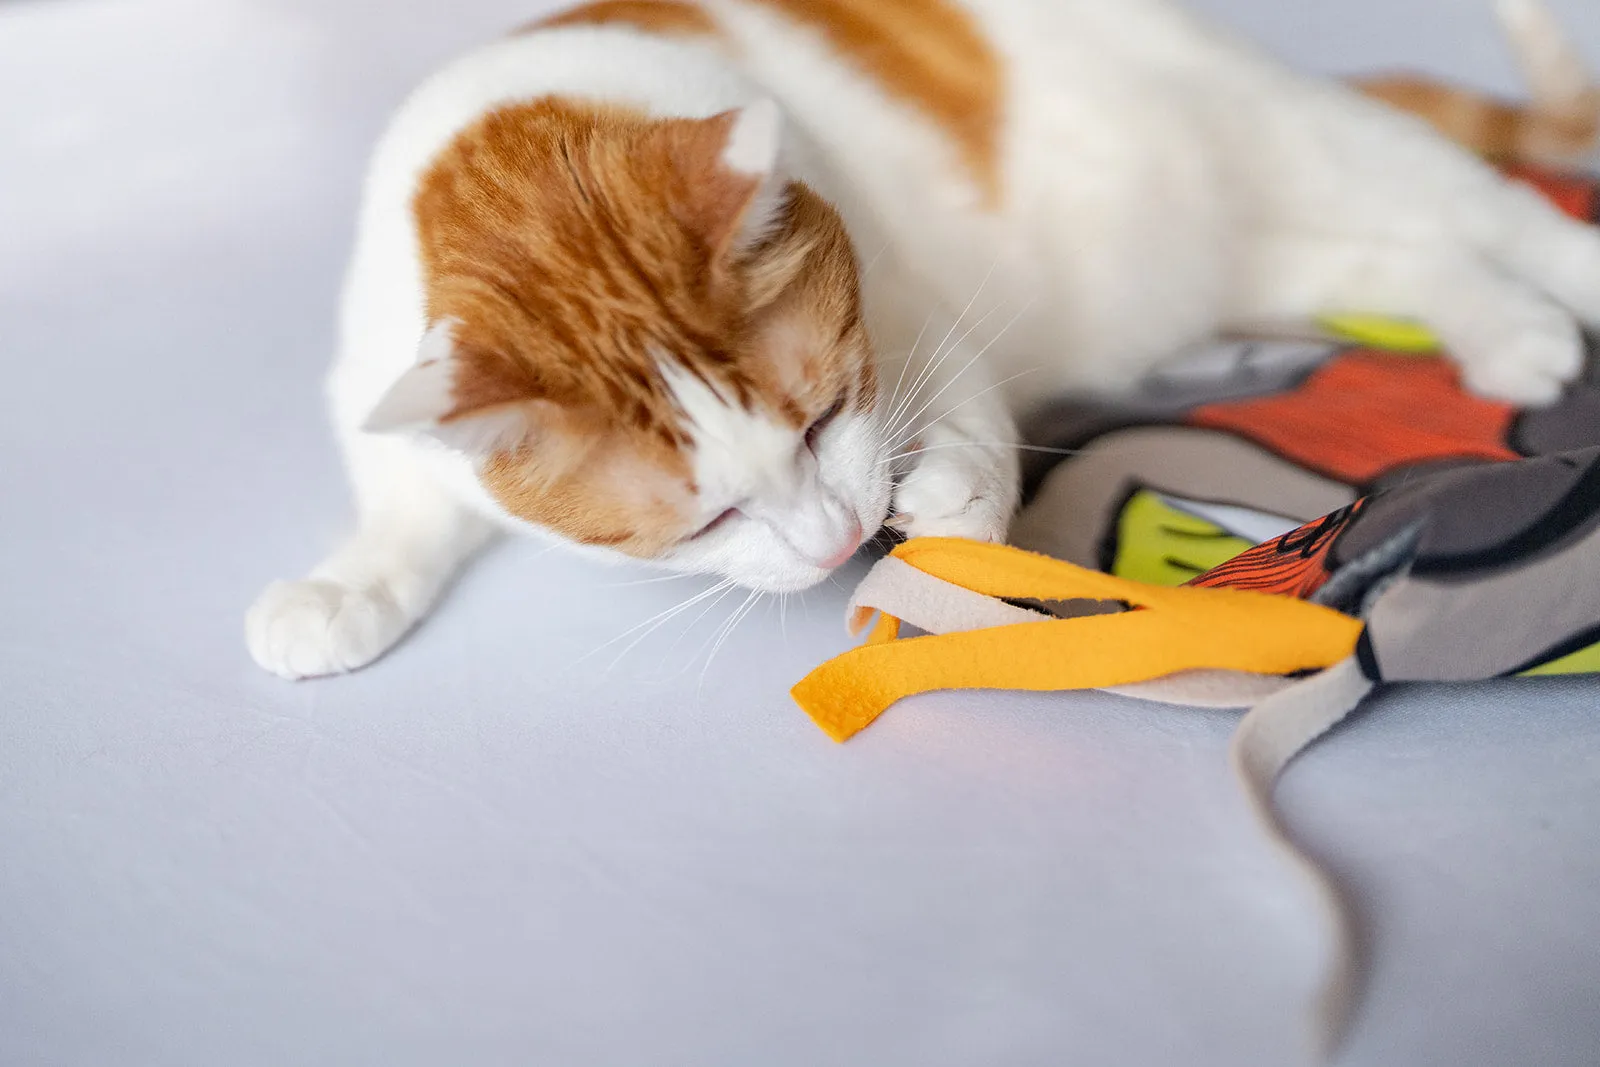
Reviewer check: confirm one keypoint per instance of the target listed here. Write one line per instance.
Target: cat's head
(649, 341)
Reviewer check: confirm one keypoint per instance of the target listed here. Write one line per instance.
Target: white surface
(489, 850)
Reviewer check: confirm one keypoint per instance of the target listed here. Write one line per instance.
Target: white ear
(425, 400)
(753, 147)
(753, 142)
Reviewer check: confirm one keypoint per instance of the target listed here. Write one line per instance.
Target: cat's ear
(734, 188)
(463, 398)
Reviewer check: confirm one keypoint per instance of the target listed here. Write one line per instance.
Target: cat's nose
(846, 549)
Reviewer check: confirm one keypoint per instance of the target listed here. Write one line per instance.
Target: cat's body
(1042, 196)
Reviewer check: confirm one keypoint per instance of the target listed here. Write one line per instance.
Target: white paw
(315, 627)
(1530, 365)
(1576, 280)
(953, 500)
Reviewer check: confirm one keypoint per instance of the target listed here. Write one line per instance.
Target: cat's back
(949, 99)
(938, 128)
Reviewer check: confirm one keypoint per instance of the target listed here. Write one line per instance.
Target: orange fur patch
(930, 54)
(665, 17)
(577, 247)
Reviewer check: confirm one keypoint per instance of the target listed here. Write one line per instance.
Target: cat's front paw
(1530, 363)
(317, 627)
(953, 500)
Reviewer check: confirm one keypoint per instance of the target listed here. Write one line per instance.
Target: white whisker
(726, 631)
(991, 444)
(979, 355)
(979, 395)
(662, 622)
(661, 617)
(728, 588)
(946, 351)
(894, 398)
(959, 318)
(650, 581)
(940, 353)
(874, 261)
(949, 353)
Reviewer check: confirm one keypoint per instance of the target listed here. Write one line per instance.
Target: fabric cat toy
(1279, 523)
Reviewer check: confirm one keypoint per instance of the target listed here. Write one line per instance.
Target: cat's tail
(1559, 125)
(1556, 73)
(1562, 120)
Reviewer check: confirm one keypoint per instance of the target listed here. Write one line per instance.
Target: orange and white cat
(727, 285)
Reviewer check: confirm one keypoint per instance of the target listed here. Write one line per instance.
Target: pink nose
(846, 550)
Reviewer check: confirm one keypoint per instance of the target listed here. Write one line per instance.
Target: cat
(729, 285)
(1558, 128)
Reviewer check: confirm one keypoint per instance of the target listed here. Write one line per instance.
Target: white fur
(752, 146)
(422, 401)
(1160, 181)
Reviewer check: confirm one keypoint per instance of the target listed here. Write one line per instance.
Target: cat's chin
(797, 581)
(795, 577)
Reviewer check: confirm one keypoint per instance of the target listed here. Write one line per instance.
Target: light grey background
(489, 849)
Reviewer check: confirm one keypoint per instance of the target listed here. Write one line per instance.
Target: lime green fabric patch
(1583, 661)
(1158, 544)
(1391, 335)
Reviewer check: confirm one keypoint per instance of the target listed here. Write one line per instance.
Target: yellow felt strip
(1210, 628)
(1003, 571)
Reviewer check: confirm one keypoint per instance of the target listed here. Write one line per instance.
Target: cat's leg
(1529, 237)
(1511, 340)
(411, 538)
(966, 479)
(1388, 217)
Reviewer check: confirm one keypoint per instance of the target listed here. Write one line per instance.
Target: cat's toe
(318, 627)
(941, 503)
(974, 524)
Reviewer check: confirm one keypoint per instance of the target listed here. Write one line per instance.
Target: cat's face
(649, 342)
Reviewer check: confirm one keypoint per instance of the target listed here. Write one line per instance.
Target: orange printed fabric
(1365, 413)
(1295, 564)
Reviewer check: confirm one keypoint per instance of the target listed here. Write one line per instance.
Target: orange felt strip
(1181, 629)
(885, 633)
(1003, 571)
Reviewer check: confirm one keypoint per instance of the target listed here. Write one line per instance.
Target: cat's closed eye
(721, 520)
(822, 422)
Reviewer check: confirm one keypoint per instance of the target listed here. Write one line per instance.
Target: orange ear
(466, 399)
(729, 190)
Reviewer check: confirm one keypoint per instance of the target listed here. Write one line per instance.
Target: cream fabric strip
(1273, 733)
(935, 606)
(1206, 689)
(931, 604)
